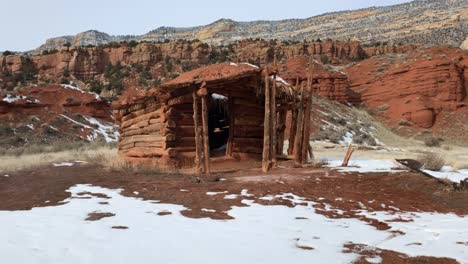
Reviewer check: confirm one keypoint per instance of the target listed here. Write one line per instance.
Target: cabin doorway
(218, 124)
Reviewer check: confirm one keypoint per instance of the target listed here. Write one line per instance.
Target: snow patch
(364, 165)
(71, 239)
(72, 87)
(447, 172)
(63, 164)
(13, 98)
(109, 132)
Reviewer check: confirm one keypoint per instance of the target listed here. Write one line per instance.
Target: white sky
(25, 24)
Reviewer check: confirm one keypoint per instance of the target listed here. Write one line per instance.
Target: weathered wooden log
(127, 146)
(156, 114)
(299, 129)
(157, 121)
(281, 131)
(157, 144)
(206, 142)
(306, 125)
(197, 131)
(347, 156)
(292, 131)
(273, 128)
(266, 127)
(150, 152)
(183, 99)
(147, 138)
(154, 129)
(232, 127)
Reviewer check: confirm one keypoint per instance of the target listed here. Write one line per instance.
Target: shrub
(324, 59)
(432, 161)
(7, 52)
(432, 141)
(132, 44)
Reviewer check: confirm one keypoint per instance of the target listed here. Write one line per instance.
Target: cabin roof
(213, 73)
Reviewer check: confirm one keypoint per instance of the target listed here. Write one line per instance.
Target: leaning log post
(306, 132)
(273, 117)
(299, 128)
(347, 156)
(198, 143)
(266, 126)
(203, 92)
(292, 129)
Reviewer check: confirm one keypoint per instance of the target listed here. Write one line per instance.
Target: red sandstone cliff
(417, 90)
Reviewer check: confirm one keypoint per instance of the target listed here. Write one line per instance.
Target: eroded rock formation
(414, 90)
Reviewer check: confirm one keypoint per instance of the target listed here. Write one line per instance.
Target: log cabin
(231, 110)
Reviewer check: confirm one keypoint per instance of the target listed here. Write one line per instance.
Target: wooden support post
(292, 129)
(273, 117)
(299, 129)
(348, 156)
(306, 132)
(231, 126)
(198, 143)
(281, 131)
(206, 144)
(266, 126)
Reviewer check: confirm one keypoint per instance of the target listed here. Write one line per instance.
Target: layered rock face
(165, 60)
(45, 112)
(328, 81)
(414, 90)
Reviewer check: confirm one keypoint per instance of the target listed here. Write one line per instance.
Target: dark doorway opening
(218, 125)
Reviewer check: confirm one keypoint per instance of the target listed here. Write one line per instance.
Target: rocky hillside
(429, 22)
(43, 115)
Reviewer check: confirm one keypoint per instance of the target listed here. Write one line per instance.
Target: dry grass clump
(432, 141)
(10, 163)
(432, 161)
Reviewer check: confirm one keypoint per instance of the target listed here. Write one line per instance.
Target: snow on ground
(67, 86)
(63, 164)
(13, 98)
(258, 234)
(109, 132)
(447, 172)
(364, 165)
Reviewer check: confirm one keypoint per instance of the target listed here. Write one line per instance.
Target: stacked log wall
(144, 131)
